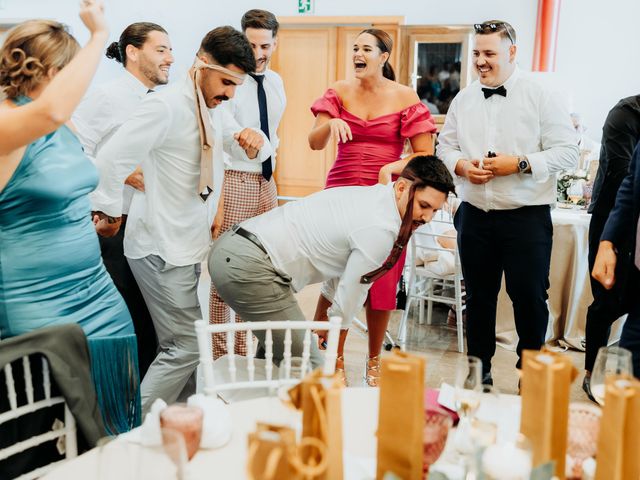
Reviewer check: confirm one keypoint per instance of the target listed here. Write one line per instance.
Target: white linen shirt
(101, 113)
(529, 121)
(244, 111)
(337, 234)
(170, 219)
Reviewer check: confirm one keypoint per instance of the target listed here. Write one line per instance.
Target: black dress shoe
(586, 386)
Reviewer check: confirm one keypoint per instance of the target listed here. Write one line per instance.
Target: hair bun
(113, 51)
(17, 68)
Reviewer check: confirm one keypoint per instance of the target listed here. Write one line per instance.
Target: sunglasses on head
(493, 27)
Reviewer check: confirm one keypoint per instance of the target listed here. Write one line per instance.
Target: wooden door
(305, 59)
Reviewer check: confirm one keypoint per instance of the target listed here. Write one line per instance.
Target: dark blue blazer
(620, 228)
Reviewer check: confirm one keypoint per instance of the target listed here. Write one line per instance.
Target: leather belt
(249, 236)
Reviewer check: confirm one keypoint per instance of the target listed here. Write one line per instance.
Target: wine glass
(609, 361)
(165, 462)
(468, 386)
(587, 192)
(574, 192)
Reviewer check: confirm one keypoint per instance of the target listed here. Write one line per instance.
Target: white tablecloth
(569, 290)
(360, 419)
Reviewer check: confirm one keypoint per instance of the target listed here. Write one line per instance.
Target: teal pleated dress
(51, 271)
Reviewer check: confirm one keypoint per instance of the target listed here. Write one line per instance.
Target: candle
(506, 461)
(188, 421)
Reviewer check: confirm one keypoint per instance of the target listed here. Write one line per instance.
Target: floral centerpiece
(565, 180)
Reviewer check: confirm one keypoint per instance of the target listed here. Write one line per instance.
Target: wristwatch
(523, 164)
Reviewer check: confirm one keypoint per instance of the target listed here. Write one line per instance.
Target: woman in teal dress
(51, 271)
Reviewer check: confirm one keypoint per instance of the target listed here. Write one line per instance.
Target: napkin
(216, 422)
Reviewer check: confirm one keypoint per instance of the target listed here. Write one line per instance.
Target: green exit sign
(305, 6)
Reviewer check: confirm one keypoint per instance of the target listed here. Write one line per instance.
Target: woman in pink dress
(370, 117)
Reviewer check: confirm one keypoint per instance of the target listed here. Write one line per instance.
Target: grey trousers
(248, 282)
(171, 295)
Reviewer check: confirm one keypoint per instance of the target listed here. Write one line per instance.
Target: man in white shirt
(180, 144)
(249, 187)
(505, 137)
(144, 50)
(339, 234)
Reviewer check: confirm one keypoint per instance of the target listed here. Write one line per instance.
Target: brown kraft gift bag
(401, 417)
(546, 381)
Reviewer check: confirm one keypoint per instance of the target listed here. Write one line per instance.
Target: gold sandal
(372, 376)
(340, 369)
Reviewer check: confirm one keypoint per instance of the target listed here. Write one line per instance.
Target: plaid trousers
(246, 195)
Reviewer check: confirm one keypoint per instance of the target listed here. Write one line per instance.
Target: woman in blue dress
(51, 271)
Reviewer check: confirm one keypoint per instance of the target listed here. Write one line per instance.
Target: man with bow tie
(505, 137)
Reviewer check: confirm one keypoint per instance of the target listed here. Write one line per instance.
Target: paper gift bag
(618, 456)
(401, 417)
(545, 384)
(320, 399)
(270, 450)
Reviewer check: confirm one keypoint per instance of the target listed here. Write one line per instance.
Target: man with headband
(179, 143)
(349, 235)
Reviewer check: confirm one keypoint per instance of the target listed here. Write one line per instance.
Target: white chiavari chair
(235, 377)
(17, 410)
(428, 283)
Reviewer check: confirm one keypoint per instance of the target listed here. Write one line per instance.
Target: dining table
(126, 459)
(569, 286)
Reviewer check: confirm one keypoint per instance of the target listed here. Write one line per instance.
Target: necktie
(264, 121)
(205, 185)
(403, 238)
(494, 91)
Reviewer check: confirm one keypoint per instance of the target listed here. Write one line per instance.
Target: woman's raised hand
(92, 15)
(340, 130)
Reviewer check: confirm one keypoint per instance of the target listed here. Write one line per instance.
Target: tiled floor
(437, 342)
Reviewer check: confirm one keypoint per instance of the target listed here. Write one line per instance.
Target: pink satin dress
(375, 143)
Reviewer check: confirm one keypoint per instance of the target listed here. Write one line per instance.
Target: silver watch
(523, 164)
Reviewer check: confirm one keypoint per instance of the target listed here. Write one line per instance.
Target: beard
(153, 73)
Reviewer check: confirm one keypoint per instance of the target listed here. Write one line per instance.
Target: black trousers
(630, 338)
(606, 307)
(514, 242)
(114, 260)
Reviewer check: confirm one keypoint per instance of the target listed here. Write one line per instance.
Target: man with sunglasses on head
(505, 137)
(178, 137)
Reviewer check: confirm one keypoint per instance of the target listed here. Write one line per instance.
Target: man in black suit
(620, 133)
(622, 227)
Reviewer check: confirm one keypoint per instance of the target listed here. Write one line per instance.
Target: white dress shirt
(101, 113)
(170, 219)
(337, 234)
(529, 121)
(244, 111)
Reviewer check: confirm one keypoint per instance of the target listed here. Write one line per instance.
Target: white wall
(599, 68)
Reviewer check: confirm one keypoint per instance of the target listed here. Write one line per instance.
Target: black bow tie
(494, 91)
